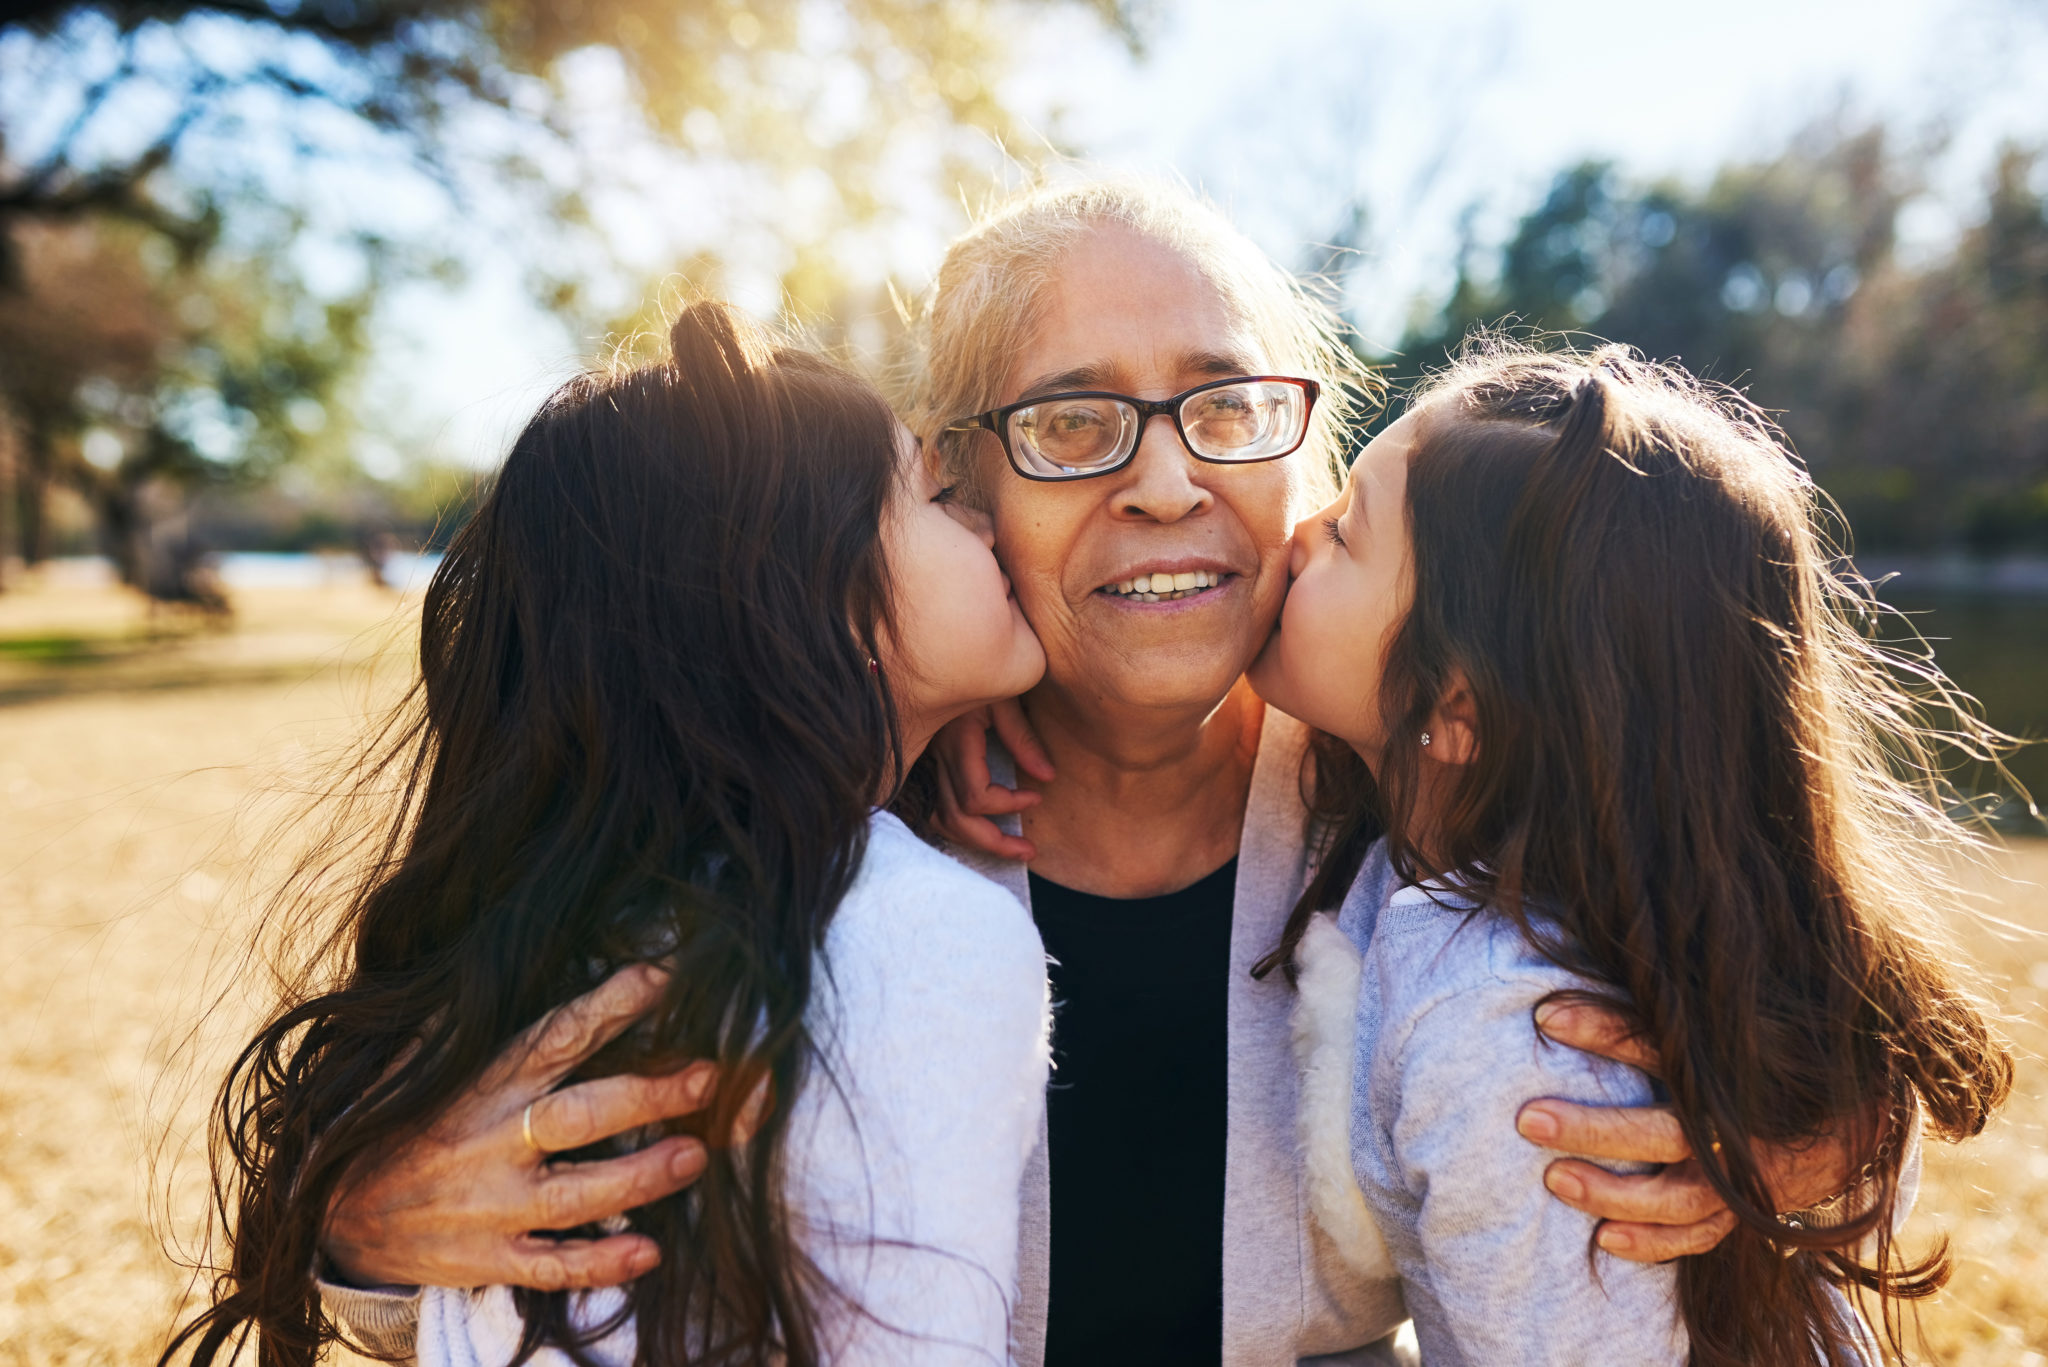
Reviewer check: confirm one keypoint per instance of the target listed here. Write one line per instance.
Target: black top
(1137, 1122)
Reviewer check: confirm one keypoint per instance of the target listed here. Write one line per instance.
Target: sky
(1289, 111)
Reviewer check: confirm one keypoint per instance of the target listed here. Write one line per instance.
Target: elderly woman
(1147, 405)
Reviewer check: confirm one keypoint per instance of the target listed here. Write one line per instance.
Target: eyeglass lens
(1066, 437)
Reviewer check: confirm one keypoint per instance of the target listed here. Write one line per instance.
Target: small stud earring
(1425, 737)
(873, 667)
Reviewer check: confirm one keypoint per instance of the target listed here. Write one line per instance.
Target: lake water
(1995, 647)
(405, 571)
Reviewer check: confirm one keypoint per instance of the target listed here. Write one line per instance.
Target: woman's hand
(1657, 1216)
(458, 1205)
(968, 797)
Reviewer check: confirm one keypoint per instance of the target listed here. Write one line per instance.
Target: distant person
(1603, 725)
(1146, 405)
(377, 549)
(181, 573)
(707, 616)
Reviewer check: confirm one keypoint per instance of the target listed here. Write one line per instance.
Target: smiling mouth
(1166, 588)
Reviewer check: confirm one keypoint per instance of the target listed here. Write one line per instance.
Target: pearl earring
(1425, 737)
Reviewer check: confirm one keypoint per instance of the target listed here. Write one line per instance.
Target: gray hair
(987, 296)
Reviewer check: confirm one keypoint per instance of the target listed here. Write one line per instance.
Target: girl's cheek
(1305, 615)
(1300, 551)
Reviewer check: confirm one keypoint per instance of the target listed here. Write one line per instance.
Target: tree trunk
(10, 457)
(123, 529)
(35, 464)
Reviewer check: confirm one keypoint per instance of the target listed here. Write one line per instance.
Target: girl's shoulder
(915, 912)
(902, 868)
(1444, 964)
(931, 1008)
(1437, 938)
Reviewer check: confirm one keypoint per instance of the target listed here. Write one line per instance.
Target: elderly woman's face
(1130, 315)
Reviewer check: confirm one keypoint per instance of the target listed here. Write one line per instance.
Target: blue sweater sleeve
(1502, 1272)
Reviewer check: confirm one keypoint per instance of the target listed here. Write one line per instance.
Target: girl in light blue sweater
(1602, 719)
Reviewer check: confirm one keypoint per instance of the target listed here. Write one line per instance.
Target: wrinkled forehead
(1131, 312)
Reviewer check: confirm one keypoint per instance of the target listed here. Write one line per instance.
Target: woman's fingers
(969, 796)
(1679, 1195)
(1021, 740)
(575, 1030)
(961, 748)
(996, 800)
(571, 1194)
(1633, 1134)
(1662, 1243)
(1593, 1029)
(603, 1107)
(975, 832)
(565, 1264)
(979, 833)
(963, 762)
(1798, 1174)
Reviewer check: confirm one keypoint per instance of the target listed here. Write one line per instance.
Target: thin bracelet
(1827, 1213)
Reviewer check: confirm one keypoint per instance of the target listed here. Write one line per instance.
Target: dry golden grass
(131, 816)
(127, 814)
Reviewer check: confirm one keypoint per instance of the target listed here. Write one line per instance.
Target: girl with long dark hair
(1603, 719)
(709, 613)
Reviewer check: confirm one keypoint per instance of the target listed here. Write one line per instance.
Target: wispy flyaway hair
(1695, 762)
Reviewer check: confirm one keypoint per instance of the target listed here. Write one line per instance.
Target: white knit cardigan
(907, 1145)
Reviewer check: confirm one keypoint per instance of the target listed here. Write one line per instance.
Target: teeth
(1162, 587)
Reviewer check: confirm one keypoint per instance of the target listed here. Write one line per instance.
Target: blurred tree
(1942, 399)
(1917, 389)
(133, 377)
(180, 161)
(780, 84)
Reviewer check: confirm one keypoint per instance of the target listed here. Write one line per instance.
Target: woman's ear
(1454, 725)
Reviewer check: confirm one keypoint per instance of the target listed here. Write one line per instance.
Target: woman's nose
(1160, 482)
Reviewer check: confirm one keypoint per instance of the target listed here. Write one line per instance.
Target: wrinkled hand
(458, 1205)
(1671, 1213)
(968, 797)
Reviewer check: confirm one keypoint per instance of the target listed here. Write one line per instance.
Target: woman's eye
(1330, 530)
(945, 495)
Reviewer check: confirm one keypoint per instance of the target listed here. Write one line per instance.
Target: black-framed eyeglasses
(1238, 421)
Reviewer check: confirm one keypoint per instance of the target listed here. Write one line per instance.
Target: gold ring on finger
(526, 1130)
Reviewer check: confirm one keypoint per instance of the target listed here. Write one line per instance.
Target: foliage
(126, 368)
(1917, 389)
(492, 98)
(181, 160)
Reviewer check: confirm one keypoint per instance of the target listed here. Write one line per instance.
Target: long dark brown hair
(1699, 782)
(645, 728)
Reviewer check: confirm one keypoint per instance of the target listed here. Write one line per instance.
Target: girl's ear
(1454, 725)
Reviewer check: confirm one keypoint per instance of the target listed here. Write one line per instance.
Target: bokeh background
(278, 278)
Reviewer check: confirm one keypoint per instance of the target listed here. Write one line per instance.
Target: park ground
(148, 776)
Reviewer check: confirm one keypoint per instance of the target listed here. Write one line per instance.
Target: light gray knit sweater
(1418, 1043)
